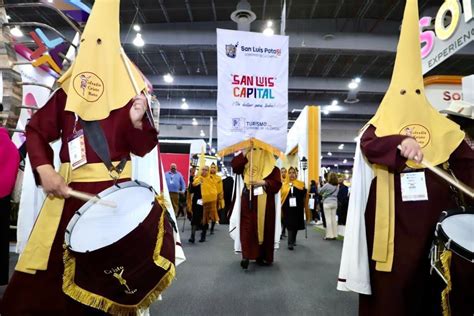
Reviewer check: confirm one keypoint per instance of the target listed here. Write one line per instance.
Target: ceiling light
(15, 31)
(329, 154)
(183, 100)
(268, 31)
(138, 41)
(341, 147)
(269, 23)
(336, 165)
(195, 123)
(137, 28)
(335, 102)
(357, 80)
(184, 106)
(50, 1)
(329, 168)
(353, 85)
(168, 78)
(344, 161)
(202, 134)
(326, 112)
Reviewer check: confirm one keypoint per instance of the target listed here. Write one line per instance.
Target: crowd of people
(203, 201)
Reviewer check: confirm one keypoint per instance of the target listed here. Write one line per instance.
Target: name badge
(199, 202)
(258, 191)
(77, 149)
(311, 203)
(413, 186)
(293, 202)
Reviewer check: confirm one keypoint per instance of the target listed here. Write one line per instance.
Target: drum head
(460, 229)
(95, 226)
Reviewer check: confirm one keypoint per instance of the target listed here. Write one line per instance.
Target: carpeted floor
(300, 282)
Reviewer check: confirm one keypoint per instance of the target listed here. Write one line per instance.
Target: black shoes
(191, 240)
(244, 264)
(291, 247)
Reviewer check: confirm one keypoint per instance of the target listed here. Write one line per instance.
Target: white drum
(95, 226)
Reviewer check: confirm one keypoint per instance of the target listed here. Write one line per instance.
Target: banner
(445, 40)
(252, 98)
(34, 96)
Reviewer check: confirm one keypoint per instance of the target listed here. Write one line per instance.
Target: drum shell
(130, 259)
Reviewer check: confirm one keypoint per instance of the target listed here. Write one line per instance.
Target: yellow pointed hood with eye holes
(98, 81)
(405, 108)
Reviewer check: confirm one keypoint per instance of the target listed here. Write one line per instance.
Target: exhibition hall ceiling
(331, 42)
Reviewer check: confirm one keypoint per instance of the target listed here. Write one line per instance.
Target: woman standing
(329, 193)
(9, 162)
(293, 205)
(204, 202)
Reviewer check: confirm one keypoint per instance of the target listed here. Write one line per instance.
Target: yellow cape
(285, 189)
(98, 82)
(405, 110)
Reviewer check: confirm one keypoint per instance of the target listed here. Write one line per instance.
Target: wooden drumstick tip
(89, 197)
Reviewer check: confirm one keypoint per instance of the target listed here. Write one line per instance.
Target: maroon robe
(248, 217)
(41, 293)
(409, 289)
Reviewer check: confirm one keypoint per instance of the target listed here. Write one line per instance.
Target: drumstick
(446, 176)
(89, 197)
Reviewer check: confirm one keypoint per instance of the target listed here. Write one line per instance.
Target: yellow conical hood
(98, 82)
(405, 108)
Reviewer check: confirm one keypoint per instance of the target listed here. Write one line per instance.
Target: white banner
(34, 96)
(252, 98)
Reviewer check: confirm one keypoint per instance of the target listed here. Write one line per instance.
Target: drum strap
(96, 138)
(456, 194)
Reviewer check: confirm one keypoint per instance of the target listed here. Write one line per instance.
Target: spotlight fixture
(194, 122)
(353, 85)
(336, 165)
(357, 80)
(269, 31)
(202, 134)
(15, 31)
(335, 102)
(329, 154)
(184, 106)
(168, 78)
(341, 147)
(138, 41)
(137, 28)
(326, 112)
(344, 161)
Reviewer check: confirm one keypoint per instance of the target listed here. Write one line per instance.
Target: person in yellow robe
(204, 203)
(220, 203)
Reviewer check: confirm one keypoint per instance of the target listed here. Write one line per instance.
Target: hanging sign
(252, 98)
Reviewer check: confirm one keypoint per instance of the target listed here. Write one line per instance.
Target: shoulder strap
(96, 138)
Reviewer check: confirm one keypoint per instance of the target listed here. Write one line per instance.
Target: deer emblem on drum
(123, 282)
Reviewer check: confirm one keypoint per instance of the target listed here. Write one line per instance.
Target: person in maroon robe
(126, 131)
(410, 289)
(251, 249)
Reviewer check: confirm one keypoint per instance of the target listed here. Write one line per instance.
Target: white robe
(354, 267)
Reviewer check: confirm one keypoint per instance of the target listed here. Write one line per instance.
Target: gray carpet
(300, 282)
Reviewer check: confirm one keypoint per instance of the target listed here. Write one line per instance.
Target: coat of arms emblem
(231, 50)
